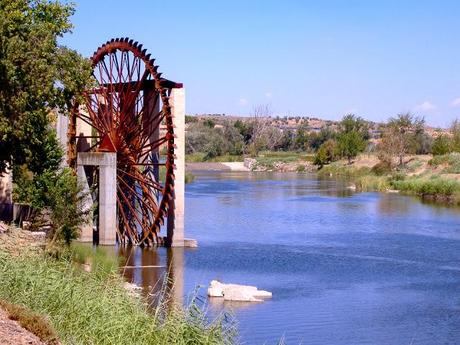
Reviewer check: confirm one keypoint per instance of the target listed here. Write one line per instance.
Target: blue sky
(311, 58)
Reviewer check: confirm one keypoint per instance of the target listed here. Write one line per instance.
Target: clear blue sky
(313, 58)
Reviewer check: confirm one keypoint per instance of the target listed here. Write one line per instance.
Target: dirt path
(11, 333)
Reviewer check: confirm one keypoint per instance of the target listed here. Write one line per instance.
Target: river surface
(344, 268)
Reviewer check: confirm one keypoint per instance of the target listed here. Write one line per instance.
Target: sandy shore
(212, 166)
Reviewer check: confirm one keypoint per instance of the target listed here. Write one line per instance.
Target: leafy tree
(37, 79)
(353, 123)
(287, 141)
(350, 144)
(302, 137)
(234, 143)
(352, 137)
(315, 140)
(327, 153)
(36, 76)
(442, 145)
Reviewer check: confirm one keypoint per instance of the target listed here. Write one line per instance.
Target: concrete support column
(108, 199)
(107, 163)
(62, 126)
(175, 264)
(87, 229)
(6, 196)
(177, 211)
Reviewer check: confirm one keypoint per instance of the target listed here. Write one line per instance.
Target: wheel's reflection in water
(158, 271)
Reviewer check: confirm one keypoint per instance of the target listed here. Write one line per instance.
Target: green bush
(442, 145)
(382, 168)
(58, 194)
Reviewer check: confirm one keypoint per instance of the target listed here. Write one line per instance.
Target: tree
(398, 137)
(326, 154)
(315, 140)
(37, 79)
(301, 137)
(234, 142)
(351, 138)
(36, 76)
(350, 144)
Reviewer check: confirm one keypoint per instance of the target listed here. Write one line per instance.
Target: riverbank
(92, 306)
(279, 161)
(434, 178)
(431, 178)
(216, 166)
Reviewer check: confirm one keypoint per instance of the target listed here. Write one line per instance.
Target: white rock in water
(235, 292)
(215, 289)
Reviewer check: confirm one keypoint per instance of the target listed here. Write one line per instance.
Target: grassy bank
(282, 161)
(94, 308)
(435, 179)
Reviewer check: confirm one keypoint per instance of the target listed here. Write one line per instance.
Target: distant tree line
(401, 135)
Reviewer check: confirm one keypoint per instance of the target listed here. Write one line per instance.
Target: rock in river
(235, 292)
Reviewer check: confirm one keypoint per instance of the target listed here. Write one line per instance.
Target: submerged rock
(235, 292)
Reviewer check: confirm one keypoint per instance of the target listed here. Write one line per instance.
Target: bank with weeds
(436, 179)
(94, 307)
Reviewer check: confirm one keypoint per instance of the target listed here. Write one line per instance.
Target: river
(344, 267)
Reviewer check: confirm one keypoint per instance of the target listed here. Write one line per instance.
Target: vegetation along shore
(403, 154)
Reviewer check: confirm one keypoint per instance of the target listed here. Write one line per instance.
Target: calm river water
(344, 268)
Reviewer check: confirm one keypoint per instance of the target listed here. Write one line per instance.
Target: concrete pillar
(6, 193)
(175, 264)
(108, 199)
(86, 234)
(107, 163)
(176, 214)
(62, 126)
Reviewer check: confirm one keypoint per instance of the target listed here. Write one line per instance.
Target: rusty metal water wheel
(128, 112)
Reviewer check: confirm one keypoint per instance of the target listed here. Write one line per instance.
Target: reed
(94, 308)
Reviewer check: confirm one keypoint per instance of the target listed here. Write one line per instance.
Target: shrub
(327, 153)
(58, 194)
(382, 168)
(442, 145)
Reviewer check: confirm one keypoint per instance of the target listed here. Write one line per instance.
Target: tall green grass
(336, 169)
(435, 187)
(92, 308)
(369, 183)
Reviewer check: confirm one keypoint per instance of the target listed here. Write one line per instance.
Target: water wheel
(127, 112)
